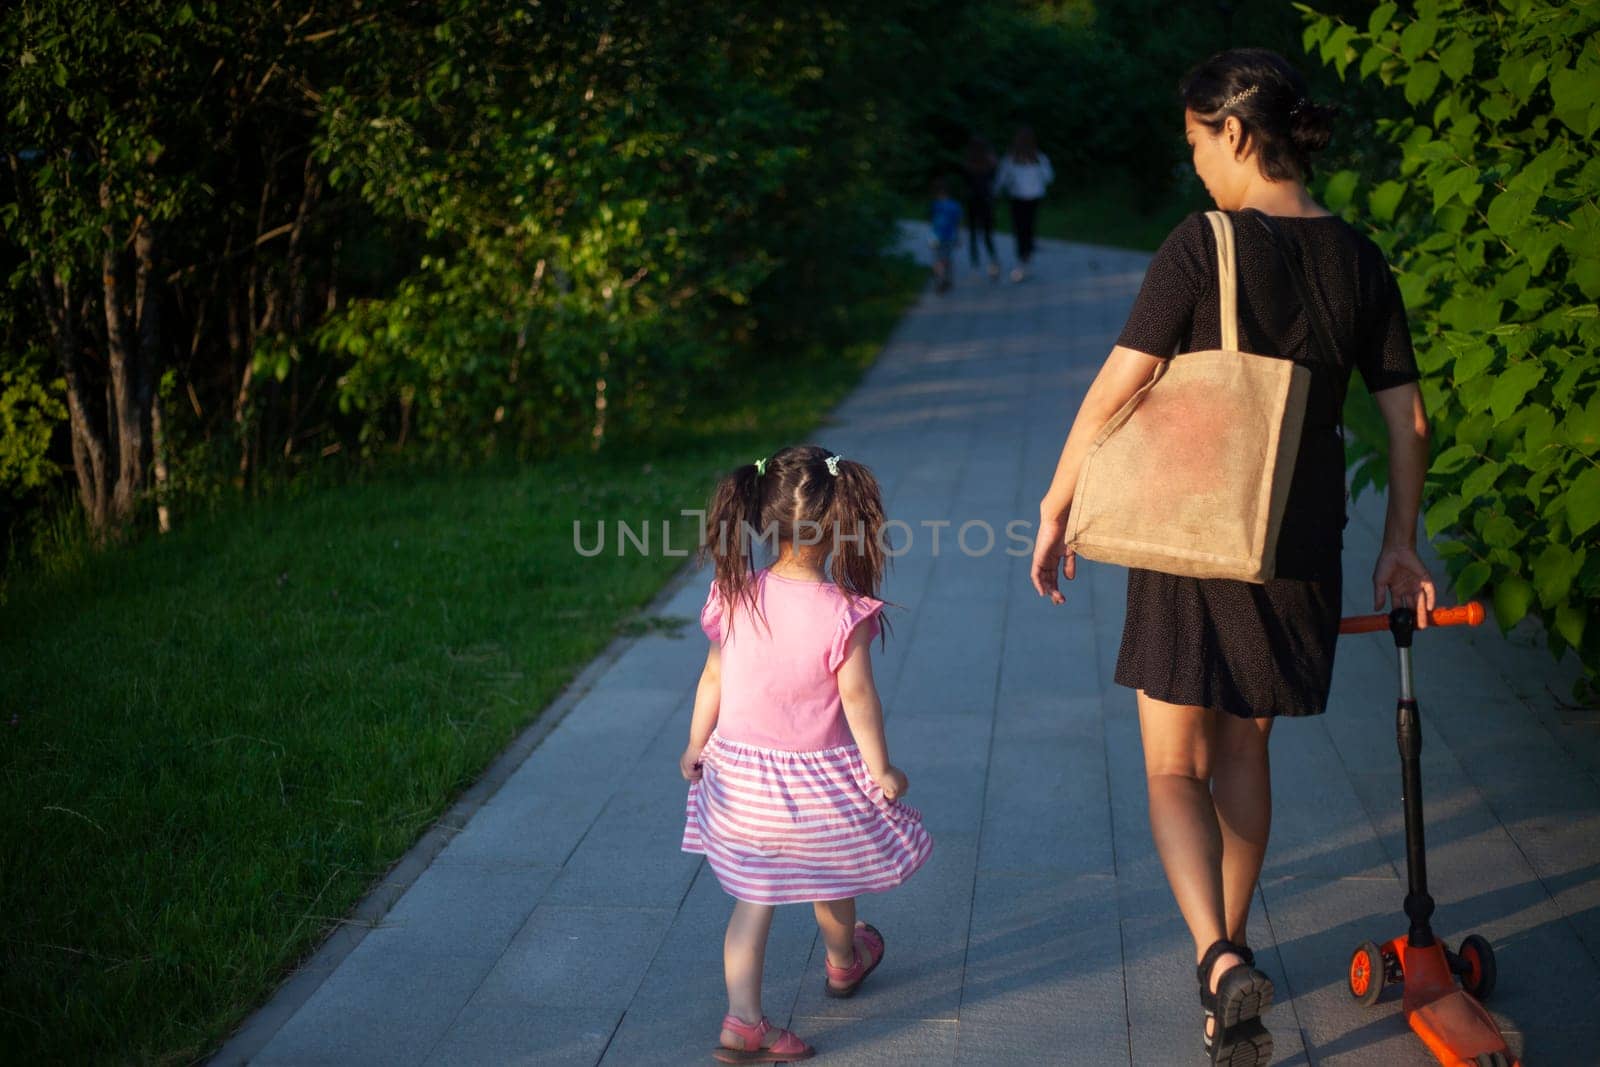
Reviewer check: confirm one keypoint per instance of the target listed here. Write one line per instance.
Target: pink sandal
(785, 1047)
(869, 953)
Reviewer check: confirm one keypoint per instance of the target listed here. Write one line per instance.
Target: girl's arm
(864, 712)
(1123, 374)
(1400, 576)
(707, 703)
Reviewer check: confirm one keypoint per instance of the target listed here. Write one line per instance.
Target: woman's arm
(1400, 577)
(707, 704)
(864, 712)
(1123, 374)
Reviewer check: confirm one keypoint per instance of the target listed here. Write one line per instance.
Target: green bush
(1486, 203)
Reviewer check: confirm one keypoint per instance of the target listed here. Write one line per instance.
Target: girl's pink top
(779, 688)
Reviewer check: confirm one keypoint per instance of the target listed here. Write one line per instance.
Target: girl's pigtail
(856, 521)
(733, 513)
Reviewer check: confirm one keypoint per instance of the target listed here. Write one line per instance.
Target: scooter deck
(1450, 1021)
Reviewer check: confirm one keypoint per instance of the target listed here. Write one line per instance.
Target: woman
(1214, 662)
(978, 168)
(1022, 176)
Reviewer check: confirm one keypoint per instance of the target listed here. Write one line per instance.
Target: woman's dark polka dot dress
(1262, 650)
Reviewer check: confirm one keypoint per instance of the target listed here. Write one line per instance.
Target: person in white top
(1022, 177)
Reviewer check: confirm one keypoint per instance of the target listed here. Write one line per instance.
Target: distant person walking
(978, 166)
(945, 216)
(1022, 177)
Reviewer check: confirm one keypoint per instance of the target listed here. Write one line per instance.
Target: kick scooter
(1449, 1018)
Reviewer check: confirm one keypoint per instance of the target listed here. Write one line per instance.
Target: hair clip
(1242, 94)
(833, 465)
(761, 466)
(1299, 106)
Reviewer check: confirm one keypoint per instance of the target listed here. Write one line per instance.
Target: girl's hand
(1049, 553)
(689, 764)
(1402, 578)
(893, 782)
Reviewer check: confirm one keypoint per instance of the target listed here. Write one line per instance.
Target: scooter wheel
(1367, 973)
(1478, 958)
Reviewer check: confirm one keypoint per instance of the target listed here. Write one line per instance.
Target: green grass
(213, 742)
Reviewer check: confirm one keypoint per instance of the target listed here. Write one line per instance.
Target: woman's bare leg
(1179, 743)
(1241, 791)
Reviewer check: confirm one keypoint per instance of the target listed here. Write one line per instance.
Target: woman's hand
(1402, 578)
(893, 782)
(689, 764)
(1049, 552)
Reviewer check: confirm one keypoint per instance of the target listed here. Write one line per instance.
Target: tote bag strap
(1227, 280)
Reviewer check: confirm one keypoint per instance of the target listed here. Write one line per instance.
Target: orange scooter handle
(1468, 614)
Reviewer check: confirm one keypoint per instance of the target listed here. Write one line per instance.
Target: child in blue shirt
(946, 225)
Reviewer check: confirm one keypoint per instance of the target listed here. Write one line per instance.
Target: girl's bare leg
(744, 954)
(837, 921)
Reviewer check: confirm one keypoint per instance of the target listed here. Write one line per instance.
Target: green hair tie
(761, 466)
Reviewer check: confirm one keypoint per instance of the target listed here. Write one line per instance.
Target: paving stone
(566, 957)
(380, 1007)
(511, 1032)
(454, 910)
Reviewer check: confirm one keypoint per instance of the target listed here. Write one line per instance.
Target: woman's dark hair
(797, 497)
(1268, 96)
(1024, 148)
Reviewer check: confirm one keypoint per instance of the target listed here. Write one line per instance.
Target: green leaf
(1553, 572)
(1574, 90)
(1501, 531)
(1442, 517)
(1471, 579)
(1512, 385)
(1569, 623)
(1581, 427)
(1456, 183)
(1481, 480)
(1539, 431)
(1416, 38)
(1513, 597)
(1535, 245)
(1471, 312)
(1456, 60)
(1381, 17)
(1421, 82)
(1385, 199)
(1333, 49)
(1453, 459)
(1340, 189)
(1585, 274)
(1583, 501)
(1510, 210)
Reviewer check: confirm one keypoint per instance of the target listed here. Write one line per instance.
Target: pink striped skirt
(782, 827)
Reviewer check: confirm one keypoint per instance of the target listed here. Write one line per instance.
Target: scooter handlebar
(1468, 614)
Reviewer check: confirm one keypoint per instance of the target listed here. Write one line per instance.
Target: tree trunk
(128, 416)
(147, 311)
(57, 299)
(89, 459)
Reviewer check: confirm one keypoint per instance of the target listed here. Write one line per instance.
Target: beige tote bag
(1191, 476)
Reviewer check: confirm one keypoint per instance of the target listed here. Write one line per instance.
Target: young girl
(792, 798)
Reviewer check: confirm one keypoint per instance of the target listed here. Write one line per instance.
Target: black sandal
(1243, 993)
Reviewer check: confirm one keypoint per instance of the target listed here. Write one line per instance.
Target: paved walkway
(563, 926)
